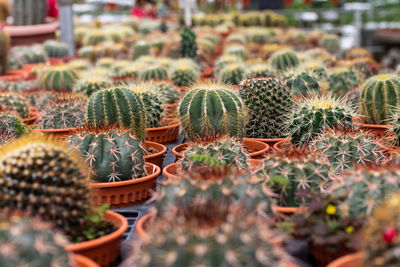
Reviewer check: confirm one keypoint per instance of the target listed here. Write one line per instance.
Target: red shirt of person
(144, 9)
(52, 8)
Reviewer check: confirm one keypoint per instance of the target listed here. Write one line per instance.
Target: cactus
(226, 60)
(117, 105)
(302, 83)
(366, 67)
(141, 48)
(14, 102)
(210, 109)
(342, 80)
(284, 60)
(188, 46)
(269, 101)
(394, 121)
(295, 170)
(90, 84)
(167, 93)
(131, 71)
(184, 73)
(362, 189)
(237, 50)
(59, 78)
(95, 37)
(113, 155)
(105, 62)
(353, 98)
(237, 38)
(358, 52)
(29, 12)
(330, 42)
(29, 54)
(4, 46)
(80, 64)
(346, 147)
(56, 49)
(41, 176)
(31, 242)
(11, 126)
(258, 70)
(379, 96)
(116, 66)
(228, 150)
(151, 103)
(312, 115)
(231, 74)
(269, 49)
(154, 72)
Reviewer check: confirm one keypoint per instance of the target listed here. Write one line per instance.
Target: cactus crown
(342, 80)
(167, 92)
(184, 72)
(56, 49)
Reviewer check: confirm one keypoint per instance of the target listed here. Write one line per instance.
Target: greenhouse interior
(209, 133)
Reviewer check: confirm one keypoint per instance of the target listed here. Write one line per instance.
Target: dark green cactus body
(117, 105)
(212, 109)
(56, 49)
(10, 126)
(59, 78)
(284, 60)
(269, 102)
(14, 102)
(331, 43)
(167, 93)
(188, 46)
(155, 72)
(226, 60)
(231, 74)
(302, 83)
(340, 82)
(184, 76)
(62, 116)
(29, 12)
(153, 108)
(379, 96)
(140, 48)
(91, 84)
(113, 155)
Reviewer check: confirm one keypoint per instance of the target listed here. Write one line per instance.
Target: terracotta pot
(279, 146)
(56, 60)
(156, 158)
(60, 133)
(33, 116)
(288, 210)
(165, 134)
(123, 79)
(170, 110)
(376, 130)
(104, 250)
(29, 34)
(141, 224)
(324, 256)
(126, 193)
(22, 73)
(11, 77)
(351, 260)
(270, 142)
(81, 261)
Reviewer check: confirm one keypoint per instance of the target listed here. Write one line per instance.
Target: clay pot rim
(281, 209)
(278, 144)
(32, 30)
(266, 140)
(66, 130)
(340, 262)
(34, 115)
(387, 148)
(109, 215)
(141, 222)
(156, 172)
(162, 150)
(359, 121)
(78, 260)
(172, 123)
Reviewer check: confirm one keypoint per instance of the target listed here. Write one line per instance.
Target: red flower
(389, 234)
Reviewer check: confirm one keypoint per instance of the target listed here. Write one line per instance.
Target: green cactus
(312, 115)
(4, 46)
(11, 126)
(224, 61)
(80, 65)
(116, 66)
(140, 48)
(345, 148)
(105, 62)
(295, 170)
(316, 71)
(56, 49)
(90, 84)
(59, 78)
(63, 114)
(14, 102)
(113, 155)
(358, 52)
(342, 80)
(117, 105)
(330, 42)
(131, 71)
(284, 60)
(302, 83)
(394, 121)
(366, 67)
(269, 102)
(232, 74)
(154, 72)
(41, 176)
(167, 93)
(379, 96)
(29, 12)
(29, 54)
(184, 72)
(188, 46)
(236, 38)
(258, 70)
(237, 50)
(210, 109)
(95, 36)
(31, 242)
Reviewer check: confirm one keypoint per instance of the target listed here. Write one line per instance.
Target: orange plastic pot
(81, 261)
(270, 142)
(165, 134)
(126, 193)
(157, 157)
(142, 223)
(170, 110)
(61, 133)
(377, 130)
(33, 116)
(289, 210)
(104, 250)
(351, 260)
(279, 146)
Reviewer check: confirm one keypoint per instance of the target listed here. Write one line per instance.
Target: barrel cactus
(232, 74)
(269, 102)
(184, 73)
(358, 52)
(284, 60)
(225, 60)
(113, 155)
(167, 92)
(105, 62)
(330, 42)
(95, 36)
(59, 78)
(56, 49)
(302, 83)
(258, 70)
(117, 105)
(131, 71)
(312, 115)
(210, 109)
(90, 84)
(237, 50)
(379, 96)
(29, 12)
(140, 48)
(366, 67)
(154, 72)
(80, 64)
(342, 80)
(14, 102)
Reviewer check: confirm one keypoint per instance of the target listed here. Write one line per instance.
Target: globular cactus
(11, 126)
(236, 38)
(237, 50)
(151, 103)
(316, 70)
(362, 189)
(258, 70)
(226, 60)
(140, 48)
(154, 72)
(345, 148)
(29, 54)
(43, 177)
(342, 80)
(117, 105)
(56, 49)
(358, 52)
(94, 37)
(167, 92)
(116, 66)
(269, 49)
(14, 102)
(295, 170)
(80, 64)
(379, 96)
(302, 83)
(284, 60)
(312, 115)
(269, 102)
(105, 62)
(90, 84)
(113, 155)
(63, 113)
(184, 72)
(330, 42)
(29, 12)
(31, 242)
(58, 78)
(228, 150)
(210, 109)
(366, 67)
(188, 46)
(4, 46)
(232, 74)
(131, 71)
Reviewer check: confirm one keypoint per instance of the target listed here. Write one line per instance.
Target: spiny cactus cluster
(184, 72)
(140, 48)
(258, 70)
(302, 83)
(342, 80)
(269, 102)
(366, 67)
(237, 50)
(154, 72)
(330, 42)
(113, 155)
(224, 61)
(14, 102)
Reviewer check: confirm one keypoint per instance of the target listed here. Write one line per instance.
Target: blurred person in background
(144, 9)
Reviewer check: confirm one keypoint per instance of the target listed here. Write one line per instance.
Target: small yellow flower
(331, 210)
(349, 229)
